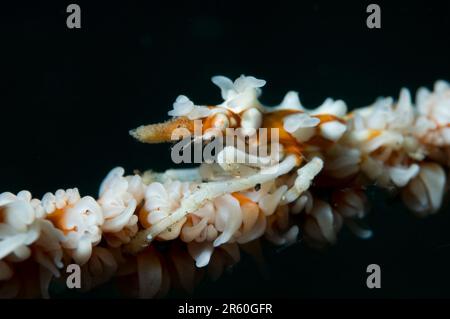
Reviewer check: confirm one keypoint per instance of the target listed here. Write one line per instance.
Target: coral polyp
(277, 173)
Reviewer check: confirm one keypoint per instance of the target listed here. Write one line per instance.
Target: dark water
(71, 96)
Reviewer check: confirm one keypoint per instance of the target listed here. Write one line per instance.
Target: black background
(70, 97)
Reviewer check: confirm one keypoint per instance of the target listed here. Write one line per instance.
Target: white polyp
(11, 243)
(333, 130)
(291, 101)
(201, 252)
(401, 176)
(19, 214)
(117, 223)
(229, 215)
(269, 202)
(424, 193)
(329, 106)
(440, 86)
(305, 176)
(358, 230)
(292, 123)
(119, 197)
(189, 233)
(240, 95)
(185, 107)
(286, 238)
(323, 214)
(421, 97)
(20, 254)
(434, 179)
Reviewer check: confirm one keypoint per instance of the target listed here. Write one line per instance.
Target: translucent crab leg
(182, 174)
(209, 191)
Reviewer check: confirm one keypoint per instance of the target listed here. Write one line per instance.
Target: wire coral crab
(307, 179)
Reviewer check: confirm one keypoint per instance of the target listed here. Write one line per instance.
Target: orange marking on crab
(58, 219)
(208, 123)
(373, 134)
(275, 120)
(290, 144)
(213, 122)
